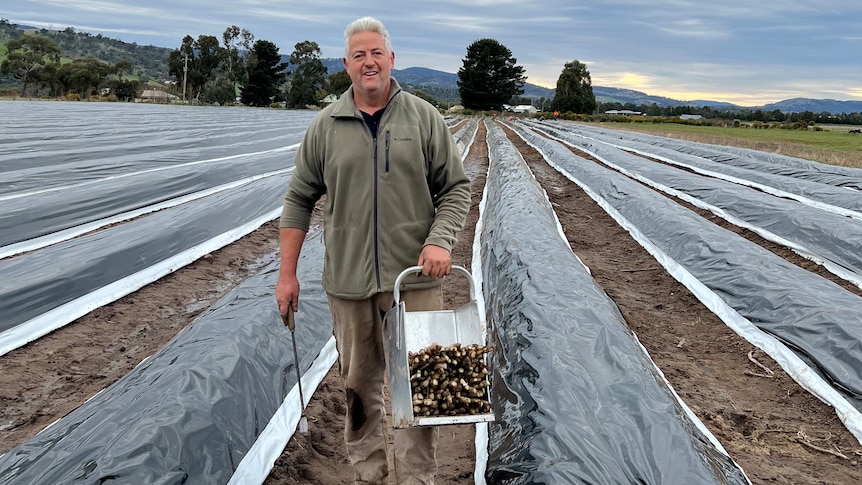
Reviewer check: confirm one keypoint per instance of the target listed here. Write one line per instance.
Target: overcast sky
(740, 51)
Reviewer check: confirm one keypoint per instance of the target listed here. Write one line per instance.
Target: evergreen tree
(195, 64)
(427, 97)
(27, 57)
(82, 76)
(126, 90)
(232, 63)
(178, 64)
(574, 93)
(308, 80)
(338, 83)
(266, 73)
(219, 92)
(121, 67)
(489, 76)
(207, 65)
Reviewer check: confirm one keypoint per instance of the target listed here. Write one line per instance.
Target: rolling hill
(150, 62)
(444, 86)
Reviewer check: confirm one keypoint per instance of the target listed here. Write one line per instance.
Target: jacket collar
(346, 107)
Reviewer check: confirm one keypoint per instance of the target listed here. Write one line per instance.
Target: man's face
(368, 63)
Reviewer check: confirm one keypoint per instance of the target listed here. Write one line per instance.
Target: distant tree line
(34, 61)
(204, 69)
(490, 78)
(252, 70)
(145, 62)
(238, 67)
(212, 71)
(748, 115)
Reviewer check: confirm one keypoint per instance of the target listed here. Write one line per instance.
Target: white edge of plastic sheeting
(729, 178)
(626, 225)
(66, 234)
(481, 438)
(257, 464)
(803, 251)
(69, 312)
(481, 458)
(798, 370)
(469, 144)
(631, 229)
(29, 193)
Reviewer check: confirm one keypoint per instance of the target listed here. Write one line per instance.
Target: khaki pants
(361, 339)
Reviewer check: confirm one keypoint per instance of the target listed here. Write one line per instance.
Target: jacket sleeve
(449, 185)
(306, 183)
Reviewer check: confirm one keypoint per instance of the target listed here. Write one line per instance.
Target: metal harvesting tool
(290, 322)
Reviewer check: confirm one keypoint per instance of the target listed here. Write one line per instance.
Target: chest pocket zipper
(387, 150)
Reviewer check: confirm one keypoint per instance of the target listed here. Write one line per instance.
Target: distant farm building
(155, 96)
(623, 112)
(690, 117)
(525, 108)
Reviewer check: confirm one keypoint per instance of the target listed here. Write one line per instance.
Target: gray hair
(366, 24)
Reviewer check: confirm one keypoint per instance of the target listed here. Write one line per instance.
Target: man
(396, 195)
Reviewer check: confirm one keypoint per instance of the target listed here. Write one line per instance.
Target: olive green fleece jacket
(385, 198)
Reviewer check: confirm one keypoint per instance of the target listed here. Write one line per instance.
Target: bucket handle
(416, 269)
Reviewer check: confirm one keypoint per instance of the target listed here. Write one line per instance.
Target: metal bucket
(413, 331)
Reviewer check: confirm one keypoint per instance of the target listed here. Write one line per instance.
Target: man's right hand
(287, 293)
(287, 288)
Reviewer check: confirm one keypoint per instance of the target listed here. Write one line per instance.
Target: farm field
(762, 421)
(834, 145)
(776, 431)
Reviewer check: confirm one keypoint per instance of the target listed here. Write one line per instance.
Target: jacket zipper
(376, 221)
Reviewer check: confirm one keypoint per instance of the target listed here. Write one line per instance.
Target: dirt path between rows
(767, 424)
(776, 431)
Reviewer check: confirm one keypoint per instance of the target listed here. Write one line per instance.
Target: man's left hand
(435, 261)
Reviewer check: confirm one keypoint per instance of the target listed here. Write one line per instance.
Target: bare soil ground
(775, 430)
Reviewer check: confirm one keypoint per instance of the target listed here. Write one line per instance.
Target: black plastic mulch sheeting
(813, 316)
(776, 164)
(759, 173)
(827, 235)
(63, 166)
(39, 281)
(465, 135)
(576, 397)
(33, 216)
(52, 145)
(189, 413)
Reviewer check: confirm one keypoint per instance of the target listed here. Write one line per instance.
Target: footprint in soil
(319, 444)
(336, 406)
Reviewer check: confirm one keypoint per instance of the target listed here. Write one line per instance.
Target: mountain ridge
(423, 76)
(443, 85)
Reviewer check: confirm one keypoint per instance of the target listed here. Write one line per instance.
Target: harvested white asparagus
(449, 381)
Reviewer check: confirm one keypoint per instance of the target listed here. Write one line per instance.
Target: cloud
(730, 50)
